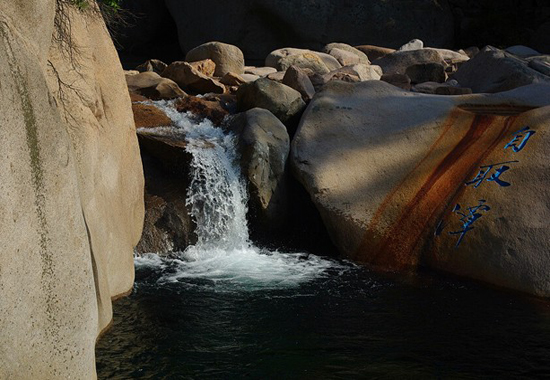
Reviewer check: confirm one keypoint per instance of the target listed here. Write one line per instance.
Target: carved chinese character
(520, 139)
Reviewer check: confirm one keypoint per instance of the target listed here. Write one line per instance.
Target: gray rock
(542, 65)
(397, 63)
(426, 72)
(440, 89)
(493, 70)
(521, 51)
(297, 79)
(412, 45)
(281, 100)
(264, 145)
(399, 80)
(228, 58)
(387, 184)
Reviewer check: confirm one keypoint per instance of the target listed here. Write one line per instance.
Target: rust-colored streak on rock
(390, 198)
(398, 247)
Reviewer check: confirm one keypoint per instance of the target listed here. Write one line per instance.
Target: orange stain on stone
(399, 246)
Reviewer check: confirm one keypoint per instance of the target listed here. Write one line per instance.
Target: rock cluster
(384, 142)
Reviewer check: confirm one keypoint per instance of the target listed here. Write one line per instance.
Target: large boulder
(264, 145)
(72, 191)
(444, 182)
(494, 70)
(283, 101)
(228, 58)
(346, 54)
(398, 62)
(260, 26)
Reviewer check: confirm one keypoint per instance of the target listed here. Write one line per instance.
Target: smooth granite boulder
(264, 146)
(283, 101)
(71, 191)
(459, 184)
(228, 58)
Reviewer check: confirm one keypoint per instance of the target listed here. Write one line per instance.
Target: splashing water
(217, 200)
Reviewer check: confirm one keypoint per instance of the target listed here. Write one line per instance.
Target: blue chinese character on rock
(468, 218)
(520, 139)
(495, 177)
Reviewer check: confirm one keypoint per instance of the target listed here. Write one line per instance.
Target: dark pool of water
(349, 325)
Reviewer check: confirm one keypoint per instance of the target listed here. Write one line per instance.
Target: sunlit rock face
(71, 191)
(455, 183)
(260, 26)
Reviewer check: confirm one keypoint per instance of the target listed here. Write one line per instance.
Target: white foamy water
(217, 200)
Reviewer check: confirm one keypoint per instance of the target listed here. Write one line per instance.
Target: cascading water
(217, 199)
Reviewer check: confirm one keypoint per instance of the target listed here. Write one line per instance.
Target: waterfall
(217, 199)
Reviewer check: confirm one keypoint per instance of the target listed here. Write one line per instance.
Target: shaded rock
(275, 57)
(228, 58)
(168, 227)
(283, 101)
(412, 45)
(206, 67)
(297, 79)
(137, 98)
(260, 71)
(154, 65)
(471, 51)
(149, 116)
(264, 145)
(426, 72)
(397, 63)
(399, 80)
(260, 26)
(388, 184)
(361, 71)
(542, 65)
(191, 79)
(440, 89)
(202, 108)
(374, 52)
(232, 79)
(153, 86)
(493, 70)
(522, 51)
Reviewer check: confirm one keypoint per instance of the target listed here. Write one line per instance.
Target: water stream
(226, 309)
(217, 198)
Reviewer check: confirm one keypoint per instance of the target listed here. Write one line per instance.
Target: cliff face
(71, 191)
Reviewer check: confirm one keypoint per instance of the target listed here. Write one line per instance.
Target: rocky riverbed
(405, 158)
